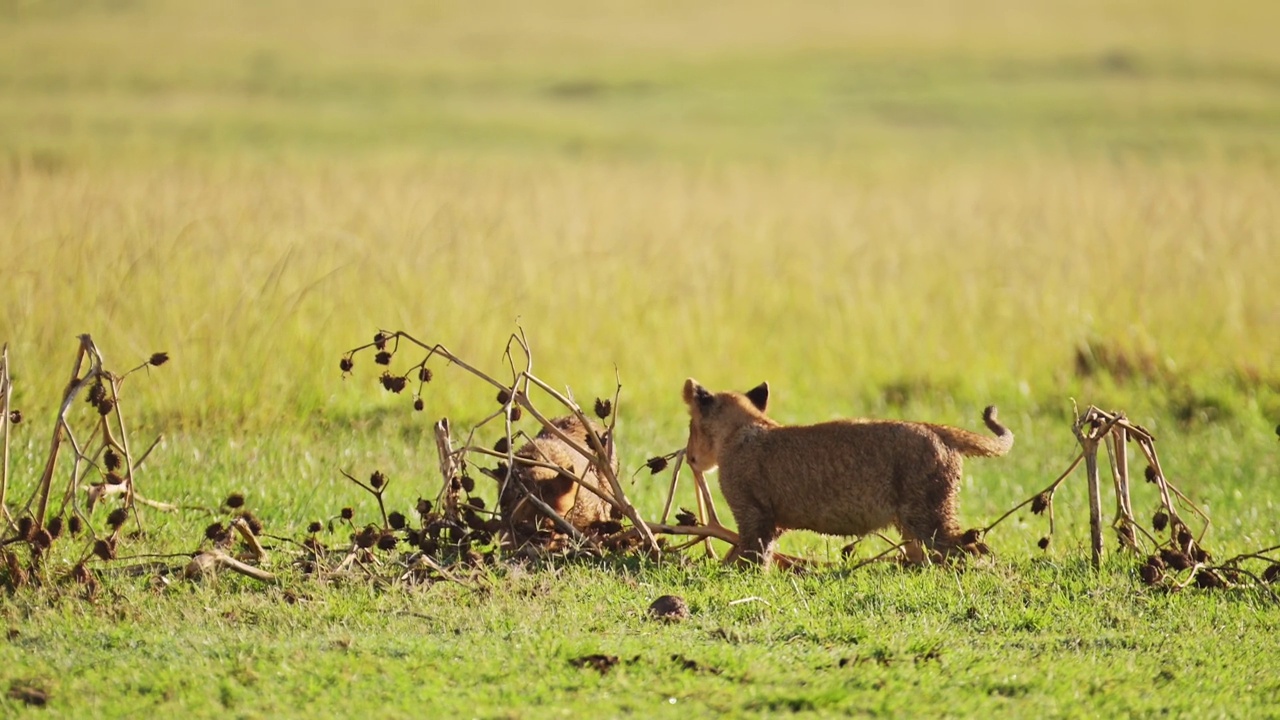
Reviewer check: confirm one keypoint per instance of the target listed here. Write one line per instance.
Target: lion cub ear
(759, 396)
(693, 392)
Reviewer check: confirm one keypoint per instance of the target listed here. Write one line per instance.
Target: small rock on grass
(671, 608)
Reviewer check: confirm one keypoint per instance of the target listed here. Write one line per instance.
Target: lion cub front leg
(757, 534)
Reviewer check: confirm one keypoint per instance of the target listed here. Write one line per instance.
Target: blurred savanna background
(905, 209)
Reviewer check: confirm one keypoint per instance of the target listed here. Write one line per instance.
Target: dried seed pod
(1209, 580)
(15, 417)
(1044, 543)
(111, 460)
(475, 502)
(1160, 520)
(158, 359)
(104, 549)
(1125, 532)
(382, 358)
(114, 479)
(315, 527)
(234, 500)
(502, 446)
(345, 364)
(418, 404)
(377, 479)
(347, 513)
(1271, 573)
(1155, 561)
(471, 519)
(117, 518)
(604, 408)
(1185, 538)
(387, 542)
(504, 396)
(971, 536)
(75, 525)
(516, 413)
(368, 537)
(380, 341)
(423, 507)
(396, 520)
(41, 539)
(1150, 574)
(1040, 503)
(254, 524)
(97, 393)
(55, 527)
(215, 532)
(468, 483)
(425, 375)
(686, 518)
(1175, 559)
(26, 527)
(106, 406)
(656, 464)
(1151, 474)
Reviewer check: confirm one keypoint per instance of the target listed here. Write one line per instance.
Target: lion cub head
(715, 417)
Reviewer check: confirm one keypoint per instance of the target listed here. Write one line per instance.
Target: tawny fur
(845, 477)
(558, 489)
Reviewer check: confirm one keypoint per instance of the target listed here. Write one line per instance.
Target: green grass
(1007, 639)
(905, 210)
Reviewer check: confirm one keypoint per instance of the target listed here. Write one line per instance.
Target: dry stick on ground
(74, 386)
(448, 467)
(671, 489)
(246, 533)
(1118, 454)
(203, 562)
(6, 388)
(1098, 429)
(706, 511)
(123, 445)
(706, 506)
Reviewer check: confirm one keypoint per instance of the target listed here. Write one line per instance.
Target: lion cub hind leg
(929, 516)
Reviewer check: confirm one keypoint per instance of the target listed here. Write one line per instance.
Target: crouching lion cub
(844, 477)
(557, 488)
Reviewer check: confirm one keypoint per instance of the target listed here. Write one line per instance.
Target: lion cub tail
(975, 445)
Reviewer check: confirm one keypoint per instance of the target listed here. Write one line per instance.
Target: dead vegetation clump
(558, 492)
(91, 442)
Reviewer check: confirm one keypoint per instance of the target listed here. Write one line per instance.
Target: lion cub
(557, 488)
(844, 477)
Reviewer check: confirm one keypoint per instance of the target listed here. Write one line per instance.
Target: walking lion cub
(844, 477)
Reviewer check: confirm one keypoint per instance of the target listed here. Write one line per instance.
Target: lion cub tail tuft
(975, 445)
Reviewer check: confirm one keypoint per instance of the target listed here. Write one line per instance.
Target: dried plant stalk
(6, 390)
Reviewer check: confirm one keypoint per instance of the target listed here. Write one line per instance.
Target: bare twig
(6, 390)
(208, 560)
